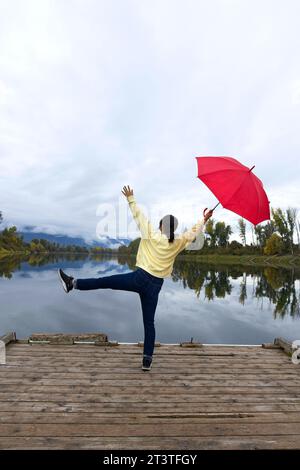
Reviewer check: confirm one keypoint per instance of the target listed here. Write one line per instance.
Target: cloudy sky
(96, 94)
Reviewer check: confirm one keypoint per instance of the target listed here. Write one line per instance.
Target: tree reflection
(280, 286)
(9, 264)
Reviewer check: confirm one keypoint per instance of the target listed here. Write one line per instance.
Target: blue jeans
(140, 281)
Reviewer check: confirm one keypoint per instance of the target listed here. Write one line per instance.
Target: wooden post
(68, 339)
(2, 353)
(4, 340)
(285, 345)
(8, 337)
(191, 344)
(270, 346)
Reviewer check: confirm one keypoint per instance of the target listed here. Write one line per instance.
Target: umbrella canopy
(235, 186)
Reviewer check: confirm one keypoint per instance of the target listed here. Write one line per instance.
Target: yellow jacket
(155, 254)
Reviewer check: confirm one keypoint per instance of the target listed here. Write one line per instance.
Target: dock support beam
(4, 340)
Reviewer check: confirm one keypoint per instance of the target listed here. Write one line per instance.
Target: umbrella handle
(206, 208)
(215, 206)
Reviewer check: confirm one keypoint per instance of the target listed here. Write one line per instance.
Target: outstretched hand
(127, 191)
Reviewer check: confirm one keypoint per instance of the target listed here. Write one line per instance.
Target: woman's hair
(168, 225)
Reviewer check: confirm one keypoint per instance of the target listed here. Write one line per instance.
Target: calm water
(224, 304)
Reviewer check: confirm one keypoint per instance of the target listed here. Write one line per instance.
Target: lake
(211, 304)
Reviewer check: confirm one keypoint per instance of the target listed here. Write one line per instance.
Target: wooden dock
(86, 396)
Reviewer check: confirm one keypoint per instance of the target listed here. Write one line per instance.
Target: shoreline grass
(288, 261)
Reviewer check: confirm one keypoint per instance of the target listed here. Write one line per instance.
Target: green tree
(282, 226)
(10, 240)
(222, 233)
(259, 233)
(291, 215)
(210, 231)
(274, 245)
(263, 232)
(242, 230)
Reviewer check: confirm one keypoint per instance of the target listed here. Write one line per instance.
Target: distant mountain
(105, 242)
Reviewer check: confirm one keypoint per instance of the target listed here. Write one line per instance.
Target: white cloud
(96, 94)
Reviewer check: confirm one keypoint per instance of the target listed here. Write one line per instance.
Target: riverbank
(9, 253)
(249, 260)
(26, 253)
(284, 261)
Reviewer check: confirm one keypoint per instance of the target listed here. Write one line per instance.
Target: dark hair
(169, 224)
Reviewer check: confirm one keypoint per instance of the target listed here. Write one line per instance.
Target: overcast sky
(98, 94)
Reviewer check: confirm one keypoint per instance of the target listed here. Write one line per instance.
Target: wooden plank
(115, 397)
(163, 348)
(193, 377)
(62, 338)
(135, 349)
(133, 360)
(157, 366)
(153, 443)
(149, 379)
(278, 356)
(156, 370)
(166, 346)
(133, 364)
(141, 417)
(282, 359)
(188, 430)
(94, 407)
(135, 370)
(203, 384)
(130, 360)
(158, 391)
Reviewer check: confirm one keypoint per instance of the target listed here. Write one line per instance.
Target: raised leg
(125, 281)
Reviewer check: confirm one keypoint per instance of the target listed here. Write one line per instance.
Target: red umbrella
(235, 186)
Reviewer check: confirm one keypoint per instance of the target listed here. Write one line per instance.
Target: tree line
(12, 241)
(276, 237)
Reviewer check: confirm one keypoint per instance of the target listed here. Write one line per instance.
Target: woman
(155, 258)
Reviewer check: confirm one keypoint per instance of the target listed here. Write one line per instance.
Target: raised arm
(142, 222)
(190, 235)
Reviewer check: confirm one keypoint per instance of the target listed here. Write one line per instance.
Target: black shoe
(147, 362)
(67, 281)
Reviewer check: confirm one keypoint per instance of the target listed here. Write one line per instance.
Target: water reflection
(276, 284)
(224, 303)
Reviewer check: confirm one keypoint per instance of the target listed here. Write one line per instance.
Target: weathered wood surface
(62, 338)
(285, 345)
(8, 337)
(85, 397)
